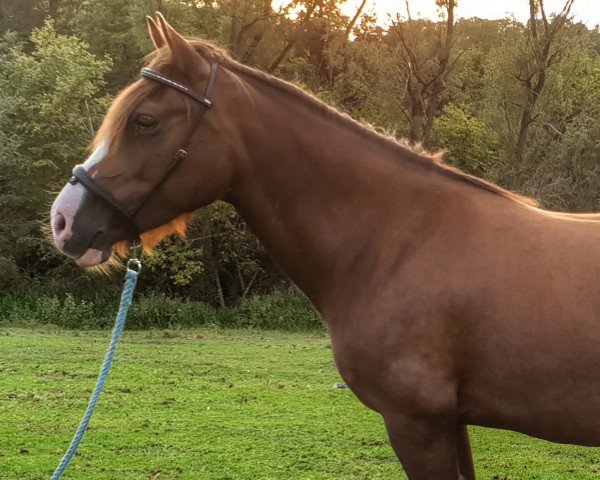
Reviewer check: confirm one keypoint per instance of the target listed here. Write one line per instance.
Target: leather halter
(80, 175)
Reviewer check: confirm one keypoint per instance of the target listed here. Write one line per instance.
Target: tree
(48, 100)
(471, 146)
(424, 63)
(22, 16)
(546, 46)
(107, 27)
(298, 27)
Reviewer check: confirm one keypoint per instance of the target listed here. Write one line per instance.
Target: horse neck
(319, 192)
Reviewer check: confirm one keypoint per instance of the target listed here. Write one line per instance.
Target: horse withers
(450, 301)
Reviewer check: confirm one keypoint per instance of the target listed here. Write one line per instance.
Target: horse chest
(385, 371)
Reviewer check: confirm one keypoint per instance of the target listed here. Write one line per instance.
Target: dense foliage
(510, 102)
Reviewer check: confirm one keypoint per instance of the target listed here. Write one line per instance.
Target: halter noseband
(80, 174)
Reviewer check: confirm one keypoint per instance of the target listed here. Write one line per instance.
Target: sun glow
(586, 11)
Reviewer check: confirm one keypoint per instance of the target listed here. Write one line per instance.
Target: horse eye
(145, 124)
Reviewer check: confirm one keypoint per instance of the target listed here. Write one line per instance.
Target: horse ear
(182, 53)
(155, 34)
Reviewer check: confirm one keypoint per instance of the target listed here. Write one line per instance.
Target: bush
(471, 146)
(160, 311)
(10, 277)
(33, 309)
(278, 311)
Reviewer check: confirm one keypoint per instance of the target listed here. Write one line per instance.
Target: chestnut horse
(450, 301)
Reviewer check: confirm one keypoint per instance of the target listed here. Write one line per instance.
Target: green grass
(215, 404)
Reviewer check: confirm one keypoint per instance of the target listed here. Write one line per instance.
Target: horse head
(160, 153)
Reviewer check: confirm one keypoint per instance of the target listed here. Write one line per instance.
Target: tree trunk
(281, 56)
(212, 263)
(414, 134)
(439, 82)
(218, 285)
(53, 8)
(294, 38)
(354, 20)
(535, 81)
(426, 74)
(238, 271)
(526, 121)
(233, 25)
(257, 37)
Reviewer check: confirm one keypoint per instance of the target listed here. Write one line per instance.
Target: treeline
(514, 103)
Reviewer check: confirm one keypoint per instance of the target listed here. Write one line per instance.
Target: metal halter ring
(135, 249)
(134, 265)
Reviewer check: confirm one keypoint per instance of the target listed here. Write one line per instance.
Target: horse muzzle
(80, 236)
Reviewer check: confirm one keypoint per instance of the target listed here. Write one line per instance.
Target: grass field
(215, 404)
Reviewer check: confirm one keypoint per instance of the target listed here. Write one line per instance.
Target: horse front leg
(426, 447)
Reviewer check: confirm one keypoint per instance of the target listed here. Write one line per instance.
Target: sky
(587, 11)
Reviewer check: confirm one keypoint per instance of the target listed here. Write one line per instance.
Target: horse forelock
(130, 97)
(120, 110)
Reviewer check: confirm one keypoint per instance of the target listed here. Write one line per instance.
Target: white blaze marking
(96, 156)
(67, 203)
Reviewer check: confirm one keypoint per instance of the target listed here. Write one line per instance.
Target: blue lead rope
(133, 269)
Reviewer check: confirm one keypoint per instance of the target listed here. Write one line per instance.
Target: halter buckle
(135, 249)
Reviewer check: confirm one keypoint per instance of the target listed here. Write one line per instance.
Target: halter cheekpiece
(80, 174)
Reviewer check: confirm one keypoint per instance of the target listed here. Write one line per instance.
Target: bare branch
(292, 41)
(544, 18)
(357, 15)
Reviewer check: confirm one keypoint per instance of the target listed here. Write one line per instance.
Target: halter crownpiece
(80, 174)
(204, 100)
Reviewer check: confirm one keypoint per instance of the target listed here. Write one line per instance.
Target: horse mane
(415, 153)
(130, 97)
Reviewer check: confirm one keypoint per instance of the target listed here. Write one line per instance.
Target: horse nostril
(59, 223)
